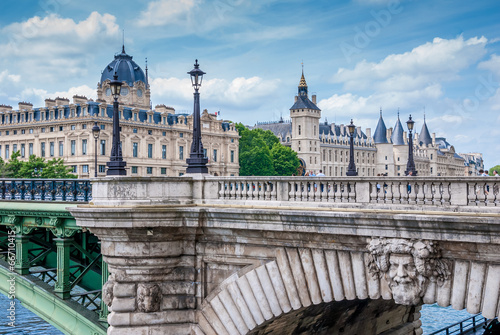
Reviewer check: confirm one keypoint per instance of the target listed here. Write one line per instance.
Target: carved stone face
(406, 284)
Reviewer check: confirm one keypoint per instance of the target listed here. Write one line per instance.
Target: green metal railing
(46, 189)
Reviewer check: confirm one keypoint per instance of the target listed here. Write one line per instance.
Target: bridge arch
(302, 277)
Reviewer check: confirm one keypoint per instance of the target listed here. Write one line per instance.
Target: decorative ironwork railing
(46, 189)
(467, 326)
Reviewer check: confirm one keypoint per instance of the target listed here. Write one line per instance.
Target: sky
(440, 58)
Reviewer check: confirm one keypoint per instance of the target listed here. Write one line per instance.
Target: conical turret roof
(424, 138)
(397, 137)
(380, 135)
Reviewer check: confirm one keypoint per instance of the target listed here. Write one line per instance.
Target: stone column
(63, 285)
(103, 314)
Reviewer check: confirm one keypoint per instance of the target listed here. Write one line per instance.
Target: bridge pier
(22, 265)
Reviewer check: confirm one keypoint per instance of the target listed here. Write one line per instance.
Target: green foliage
(35, 167)
(285, 160)
(495, 168)
(261, 154)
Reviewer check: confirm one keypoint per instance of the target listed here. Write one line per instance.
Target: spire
(303, 84)
(380, 135)
(397, 137)
(123, 41)
(424, 138)
(147, 79)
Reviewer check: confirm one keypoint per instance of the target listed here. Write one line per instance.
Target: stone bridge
(265, 255)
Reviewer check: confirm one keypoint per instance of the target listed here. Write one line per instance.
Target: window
(134, 130)
(205, 153)
(103, 126)
(232, 156)
(181, 152)
(23, 149)
(31, 131)
(23, 131)
(150, 150)
(150, 132)
(15, 132)
(51, 149)
(181, 134)
(134, 169)
(61, 128)
(150, 119)
(149, 170)
(299, 129)
(84, 147)
(73, 147)
(215, 155)
(85, 169)
(30, 149)
(73, 127)
(61, 148)
(164, 133)
(135, 116)
(7, 153)
(386, 159)
(387, 167)
(74, 167)
(163, 152)
(51, 129)
(135, 145)
(84, 126)
(163, 170)
(6, 132)
(287, 139)
(102, 168)
(42, 149)
(431, 156)
(14, 147)
(103, 147)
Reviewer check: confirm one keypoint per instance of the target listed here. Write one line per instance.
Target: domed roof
(126, 69)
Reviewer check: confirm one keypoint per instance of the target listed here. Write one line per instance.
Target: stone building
(433, 156)
(473, 163)
(155, 142)
(324, 146)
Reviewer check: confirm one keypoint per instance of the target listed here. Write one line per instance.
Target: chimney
(314, 99)
(62, 101)
(389, 134)
(405, 137)
(25, 105)
(5, 108)
(433, 139)
(368, 133)
(79, 99)
(296, 97)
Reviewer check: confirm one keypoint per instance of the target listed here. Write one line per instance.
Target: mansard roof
(278, 128)
(397, 137)
(127, 70)
(380, 135)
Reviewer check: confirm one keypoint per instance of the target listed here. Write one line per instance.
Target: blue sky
(359, 56)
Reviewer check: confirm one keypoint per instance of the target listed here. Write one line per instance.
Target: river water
(433, 318)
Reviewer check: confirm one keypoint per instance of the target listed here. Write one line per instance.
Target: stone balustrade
(442, 192)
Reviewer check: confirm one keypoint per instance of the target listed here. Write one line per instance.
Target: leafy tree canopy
(262, 154)
(35, 167)
(495, 168)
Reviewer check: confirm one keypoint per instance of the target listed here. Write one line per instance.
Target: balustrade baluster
(389, 196)
(351, 195)
(472, 194)
(420, 192)
(446, 194)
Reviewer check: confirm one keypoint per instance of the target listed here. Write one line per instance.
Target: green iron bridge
(50, 264)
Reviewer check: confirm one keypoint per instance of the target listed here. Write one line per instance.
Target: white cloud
(432, 62)
(492, 64)
(37, 96)
(13, 78)
(54, 48)
(240, 92)
(163, 12)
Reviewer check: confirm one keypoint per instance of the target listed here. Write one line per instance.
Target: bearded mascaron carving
(148, 298)
(107, 291)
(408, 266)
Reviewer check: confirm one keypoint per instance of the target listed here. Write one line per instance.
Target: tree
(495, 168)
(285, 160)
(262, 154)
(36, 167)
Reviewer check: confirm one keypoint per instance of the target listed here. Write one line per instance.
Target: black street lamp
(410, 166)
(95, 131)
(351, 170)
(197, 163)
(116, 165)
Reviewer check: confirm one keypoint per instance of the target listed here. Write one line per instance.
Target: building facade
(324, 146)
(155, 142)
(321, 145)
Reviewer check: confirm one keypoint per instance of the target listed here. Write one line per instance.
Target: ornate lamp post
(116, 165)
(95, 131)
(351, 170)
(410, 166)
(197, 163)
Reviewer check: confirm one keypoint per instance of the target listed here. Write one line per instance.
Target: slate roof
(397, 137)
(303, 102)
(424, 137)
(380, 135)
(126, 69)
(278, 128)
